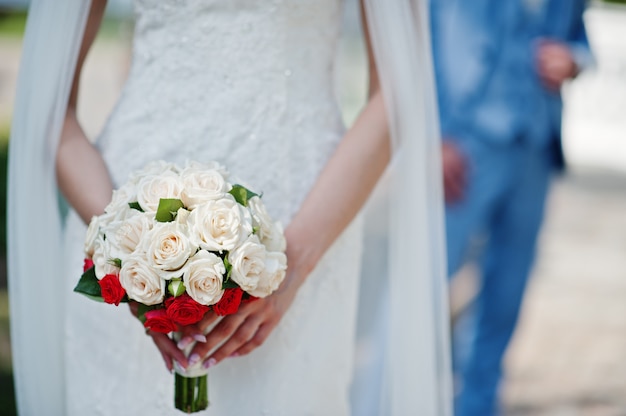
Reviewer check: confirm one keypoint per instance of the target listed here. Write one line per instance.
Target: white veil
(417, 376)
(416, 371)
(36, 288)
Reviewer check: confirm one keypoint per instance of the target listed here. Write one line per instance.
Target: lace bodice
(243, 75)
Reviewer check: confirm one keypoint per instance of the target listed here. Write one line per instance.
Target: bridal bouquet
(180, 242)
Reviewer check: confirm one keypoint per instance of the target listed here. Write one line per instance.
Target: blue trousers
(504, 203)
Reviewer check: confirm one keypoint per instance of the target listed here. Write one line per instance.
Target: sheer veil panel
(416, 369)
(50, 49)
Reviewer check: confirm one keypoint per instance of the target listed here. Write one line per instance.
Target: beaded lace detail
(226, 79)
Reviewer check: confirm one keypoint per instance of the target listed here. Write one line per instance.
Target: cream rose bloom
(102, 258)
(248, 263)
(272, 276)
(219, 225)
(126, 235)
(168, 248)
(270, 233)
(121, 198)
(155, 168)
(201, 186)
(204, 276)
(141, 282)
(153, 188)
(93, 231)
(212, 165)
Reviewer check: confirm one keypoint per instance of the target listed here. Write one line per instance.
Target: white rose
(155, 168)
(273, 275)
(141, 281)
(248, 263)
(212, 165)
(93, 231)
(168, 248)
(182, 215)
(275, 240)
(119, 208)
(153, 188)
(121, 198)
(201, 186)
(270, 233)
(126, 235)
(102, 258)
(220, 225)
(204, 276)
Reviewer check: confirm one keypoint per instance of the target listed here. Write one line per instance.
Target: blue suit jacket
(484, 53)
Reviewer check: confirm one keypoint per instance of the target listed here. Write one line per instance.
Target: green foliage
(88, 285)
(142, 309)
(168, 207)
(242, 194)
(135, 205)
(4, 150)
(12, 23)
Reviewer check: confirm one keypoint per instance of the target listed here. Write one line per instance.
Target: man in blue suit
(499, 66)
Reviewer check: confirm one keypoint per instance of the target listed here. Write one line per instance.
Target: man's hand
(555, 64)
(454, 172)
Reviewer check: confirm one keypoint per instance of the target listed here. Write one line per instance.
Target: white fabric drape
(51, 44)
(416, 374)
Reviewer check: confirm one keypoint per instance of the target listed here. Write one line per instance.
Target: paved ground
(568, 357)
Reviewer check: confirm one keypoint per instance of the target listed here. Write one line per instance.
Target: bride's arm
(347, 180)
(81, 172)
(82, 175)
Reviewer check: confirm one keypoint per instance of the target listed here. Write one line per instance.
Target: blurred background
(569, 353)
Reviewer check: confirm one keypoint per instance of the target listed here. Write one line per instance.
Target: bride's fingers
(168, 350)
(195, 332)
(209, 318)
(223, 330)
(189, 334)
(244, 334)
(256, 341)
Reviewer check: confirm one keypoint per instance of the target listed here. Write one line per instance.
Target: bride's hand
(243, 331)
(168, 348)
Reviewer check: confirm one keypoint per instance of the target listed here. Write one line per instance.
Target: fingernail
(233, 355)
(194, 359)
(199, 338)
(176, 363)
(209, 363)
(183, 343)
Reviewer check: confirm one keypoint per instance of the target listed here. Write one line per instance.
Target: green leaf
(88, 285)
(229, 284)
(242, 194)
(166, 212)
(135, 205)
(142, 309)
(116, 262)
(176, 287)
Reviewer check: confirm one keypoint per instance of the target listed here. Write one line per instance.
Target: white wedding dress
(249, 84)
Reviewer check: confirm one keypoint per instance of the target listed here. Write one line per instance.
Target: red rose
(183, 310)
(229, 303)
(157, 321)
(88, 264)
(111, 289)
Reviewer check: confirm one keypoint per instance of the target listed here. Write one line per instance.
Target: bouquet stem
(191, 394)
